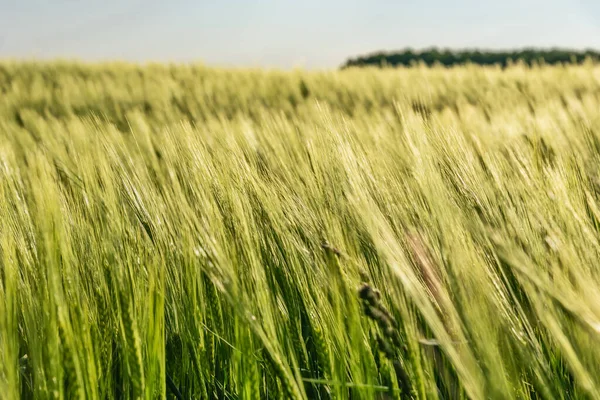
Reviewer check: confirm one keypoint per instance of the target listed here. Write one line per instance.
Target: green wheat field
(186, 232)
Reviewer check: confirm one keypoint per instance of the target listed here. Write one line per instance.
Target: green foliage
(176, 231)
(448, 58)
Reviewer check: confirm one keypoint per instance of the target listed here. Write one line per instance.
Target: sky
(284, 33)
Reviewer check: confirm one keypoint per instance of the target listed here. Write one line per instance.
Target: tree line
(434, 56)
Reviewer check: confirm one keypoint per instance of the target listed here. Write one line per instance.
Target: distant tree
(446, 57)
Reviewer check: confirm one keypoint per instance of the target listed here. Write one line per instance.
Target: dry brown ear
(429, 273)
(426, 268)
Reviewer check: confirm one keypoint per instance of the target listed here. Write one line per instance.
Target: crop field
(186, 232)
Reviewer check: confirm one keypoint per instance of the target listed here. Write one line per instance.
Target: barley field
(186, 232)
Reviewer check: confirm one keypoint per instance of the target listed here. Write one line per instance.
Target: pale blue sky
(284, 33)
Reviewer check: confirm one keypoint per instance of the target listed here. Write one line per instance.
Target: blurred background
(285, 33)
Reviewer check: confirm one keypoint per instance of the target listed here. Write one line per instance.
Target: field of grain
(177, 231)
